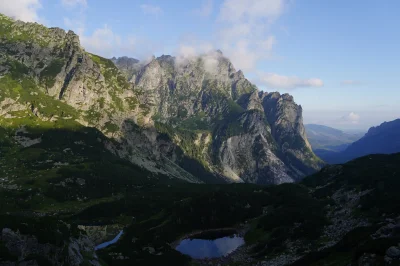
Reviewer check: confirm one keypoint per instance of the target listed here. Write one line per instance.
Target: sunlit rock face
(193, 118)
(215, 115)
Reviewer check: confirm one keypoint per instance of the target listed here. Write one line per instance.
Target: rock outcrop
(197, 118)
(255, 137)
(28, 250)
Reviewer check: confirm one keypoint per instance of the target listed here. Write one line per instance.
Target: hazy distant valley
(334, 146)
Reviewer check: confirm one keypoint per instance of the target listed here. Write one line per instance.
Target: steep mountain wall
(197, 119)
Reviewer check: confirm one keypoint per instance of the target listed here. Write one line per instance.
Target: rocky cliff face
(196, 118)
(52, 62)
(214, 114)
(23, 249)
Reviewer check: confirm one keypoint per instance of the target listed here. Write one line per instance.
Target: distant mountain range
(383, 139)
(328, 138)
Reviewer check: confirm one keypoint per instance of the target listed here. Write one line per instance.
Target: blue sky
(339, 59)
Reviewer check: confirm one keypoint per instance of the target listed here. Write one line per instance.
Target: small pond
(212, 244)
(106, 244)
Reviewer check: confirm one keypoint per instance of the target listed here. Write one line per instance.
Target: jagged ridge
(176, 116)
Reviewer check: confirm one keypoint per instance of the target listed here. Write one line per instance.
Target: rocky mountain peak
(179, 116)
(287, 97)
(240, 74)
(165, 58)
(128, 66)
(125, 61)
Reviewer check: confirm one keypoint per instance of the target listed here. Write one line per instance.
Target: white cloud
(74, 3)
(151, 10)
(76, 25)
(192, 49)
(267, 44)
(206, 9)
(243, 57)
(350, 82)
(251, 10)
(190, 46)
(187, 51)
(211, 62)
(25, 10)
(342, 119)
(103, 41)
(106, 43)
(244, 30)
(275, 81)
(351, 118)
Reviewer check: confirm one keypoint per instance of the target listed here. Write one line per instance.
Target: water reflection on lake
(204, 248)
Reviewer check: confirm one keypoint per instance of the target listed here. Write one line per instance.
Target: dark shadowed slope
(383, 139)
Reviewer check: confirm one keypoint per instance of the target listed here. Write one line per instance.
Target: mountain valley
(382, 139)
(172, 147)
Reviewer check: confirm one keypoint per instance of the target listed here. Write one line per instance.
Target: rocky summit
(196, 119)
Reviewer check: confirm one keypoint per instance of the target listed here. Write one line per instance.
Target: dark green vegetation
(378, 173)
(65, 165)
(50, 72)
(156, 215)
(39, 227)
(165, 213)
(271, 230)
(8, 30)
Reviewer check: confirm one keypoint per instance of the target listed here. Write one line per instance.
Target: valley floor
(347, 214)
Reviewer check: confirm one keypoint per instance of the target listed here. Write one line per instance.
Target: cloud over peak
(25, 10)
(244, 30)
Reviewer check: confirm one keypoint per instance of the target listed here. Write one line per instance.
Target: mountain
(240, 132)
(128, 66)
(192, 119)
(328, 138)
(90, 147)
(383, 139)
